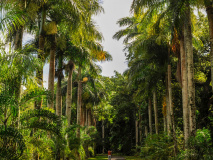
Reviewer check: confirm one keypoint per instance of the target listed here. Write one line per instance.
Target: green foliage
(159, 147)
(200, 146)
(84, 145)
(40, 143)
(12, 143)
(50, 122)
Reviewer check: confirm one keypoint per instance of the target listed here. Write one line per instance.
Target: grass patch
(103, 157)
(132, 158)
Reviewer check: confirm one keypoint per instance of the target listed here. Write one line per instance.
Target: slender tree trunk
(83, 115)
(89, 117)
(59, 98)
(190, 65)
(168, 112)
(86, 117)
(58, 92)
(17, 80)
(140, 126)
(155, 111)
(171, 107)
(140, 131)
(136, 132)
(79, 102)
(39, 73)
(164, 124)
(184, 92)
(150, 115)
(103, 135)
(19, 38)
(69, 94)
(146, 131)
(209, 11)
(52, 71)
(94, 120)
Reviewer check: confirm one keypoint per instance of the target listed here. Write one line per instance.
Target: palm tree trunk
(136, 132)
(190, 65)
(19, 38)
(168, 112)
(103, 135)
(184, 91)
(150, 115)
(140, 128)
(79, 102)
(17, 80)
(39, 73)
(86, 117)
(164, 123)
(69, 95)
(58, 92)
(146, 131)
(59, 98)
(155, 111)
(52, 71)
(89, 117)
(209, 11)
(171, 107)
(83, 115)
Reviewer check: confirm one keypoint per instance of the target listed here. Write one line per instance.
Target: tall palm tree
(177, 7)
(190, 66)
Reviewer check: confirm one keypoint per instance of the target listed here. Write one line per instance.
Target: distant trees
(159, 39)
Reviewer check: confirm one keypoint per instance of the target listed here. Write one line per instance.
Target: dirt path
(117, 158)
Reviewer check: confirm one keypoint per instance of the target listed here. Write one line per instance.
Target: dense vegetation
(159, 108)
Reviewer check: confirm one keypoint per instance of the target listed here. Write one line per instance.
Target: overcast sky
(106, 22)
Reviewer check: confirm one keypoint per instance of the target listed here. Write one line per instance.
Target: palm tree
(176, 7)
(190, 70)
(71, 67)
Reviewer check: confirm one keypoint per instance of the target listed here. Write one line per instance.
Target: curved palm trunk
(79, 102)
(190, 65)
(209, 11)
(184, 91)
(150, 115)
(52, 71)
(155, 111)
(69, 93)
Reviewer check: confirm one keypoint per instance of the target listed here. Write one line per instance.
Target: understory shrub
(157, 147)
(200, 146)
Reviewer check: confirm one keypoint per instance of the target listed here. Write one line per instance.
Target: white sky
(106, 22)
